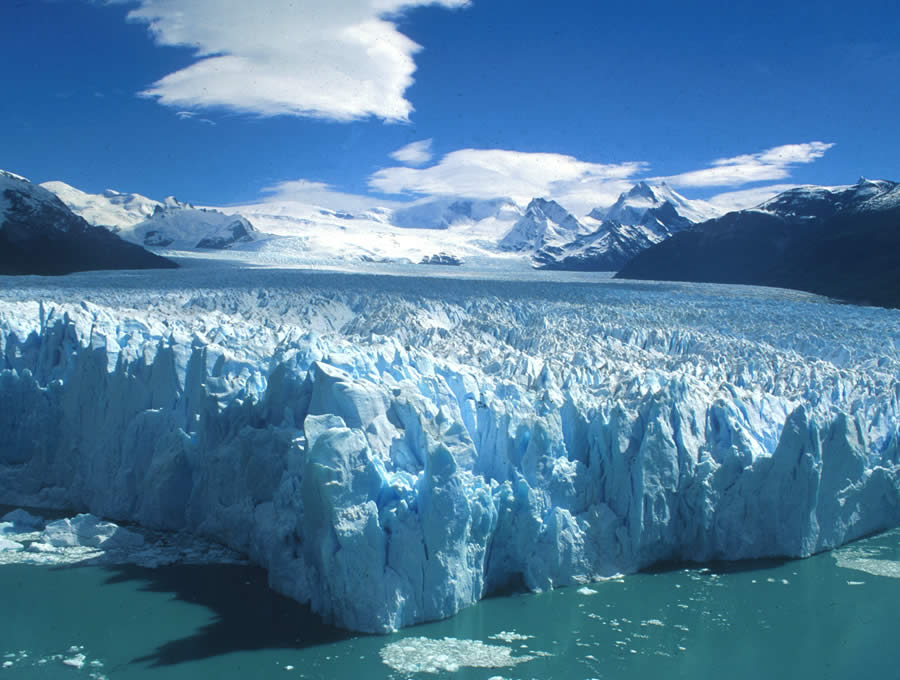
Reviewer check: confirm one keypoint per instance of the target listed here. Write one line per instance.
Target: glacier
(393, 449)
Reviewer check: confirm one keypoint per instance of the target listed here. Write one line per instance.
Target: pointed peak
(641, 189)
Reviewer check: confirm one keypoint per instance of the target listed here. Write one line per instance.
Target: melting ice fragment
(426, 655)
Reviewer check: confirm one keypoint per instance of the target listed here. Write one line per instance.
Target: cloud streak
(324, 195)
(416, 153)
(577, 185)
(492, 173)
(333, 60)
(748, 198)
(772, 164)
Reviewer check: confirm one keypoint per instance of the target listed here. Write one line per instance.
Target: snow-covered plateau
(393, 449)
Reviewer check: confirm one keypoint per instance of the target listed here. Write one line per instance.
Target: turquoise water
(831, 616)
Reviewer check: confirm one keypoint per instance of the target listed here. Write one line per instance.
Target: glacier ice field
(393, 449)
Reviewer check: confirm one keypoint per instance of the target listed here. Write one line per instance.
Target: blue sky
(225, 101)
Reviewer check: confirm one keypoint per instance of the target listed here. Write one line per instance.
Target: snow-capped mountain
(110, 209)
(545, 223)
(607, 248)
(659, 208)
(815, 202)
(838, 241)
(442, 213)
(162, 224)
(39, 234)
(182, 226)
(641, 217)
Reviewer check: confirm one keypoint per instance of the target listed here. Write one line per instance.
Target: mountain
(182, 226)
(606, 250)
(110, 209)
(659, 208)
(442, 213)
(39, 234)
(142, 220)
(641, 217)
(835, 241)
(545, 223)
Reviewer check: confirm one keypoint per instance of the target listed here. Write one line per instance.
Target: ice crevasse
(391, 456)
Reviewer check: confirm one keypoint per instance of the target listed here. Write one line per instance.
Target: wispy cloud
(190, 115)
(416, 153)
(491, 173)
(772, 164)
(323, 195)
(747, 198)
(577, 185)
(317, 58)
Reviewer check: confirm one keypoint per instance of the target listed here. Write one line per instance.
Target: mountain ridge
(39, 234)
(834, 241)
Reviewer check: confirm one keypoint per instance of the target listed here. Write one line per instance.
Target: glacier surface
(393, 449)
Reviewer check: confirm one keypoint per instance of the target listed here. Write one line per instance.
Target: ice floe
(426, 655)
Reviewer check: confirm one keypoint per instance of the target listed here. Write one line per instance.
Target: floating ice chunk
(510, 636)
(9, 546)
(88, 531)
(426, 655)
(888, 568)
(23, 520)
(586, 591)
(76, 661)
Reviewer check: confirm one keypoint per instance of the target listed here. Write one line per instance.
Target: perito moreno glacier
(394, 449)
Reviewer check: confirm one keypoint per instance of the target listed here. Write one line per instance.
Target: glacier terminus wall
(393, 449)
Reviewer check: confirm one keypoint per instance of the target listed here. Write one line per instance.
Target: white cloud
(491, 173)
(769, 165)
(747, 198)
(323, 195)
(416, 153)
(577, 185)
(190, 115)
(318, 58)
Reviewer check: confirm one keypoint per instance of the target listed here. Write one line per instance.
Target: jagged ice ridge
(394, 449)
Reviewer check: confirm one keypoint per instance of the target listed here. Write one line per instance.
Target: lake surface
(831, 616)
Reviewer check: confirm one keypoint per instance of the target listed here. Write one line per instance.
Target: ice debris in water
(426, 655)
(88, 538)
(9, 546)
(454, 437)
(876, 567)
(584, 590)
(76, 661)
(510, 636)
(87, 531)
(74, 657)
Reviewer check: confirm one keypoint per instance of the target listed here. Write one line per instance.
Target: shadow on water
(248, 615)
(718, 567)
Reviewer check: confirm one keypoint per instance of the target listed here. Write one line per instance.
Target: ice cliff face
(393, 449)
